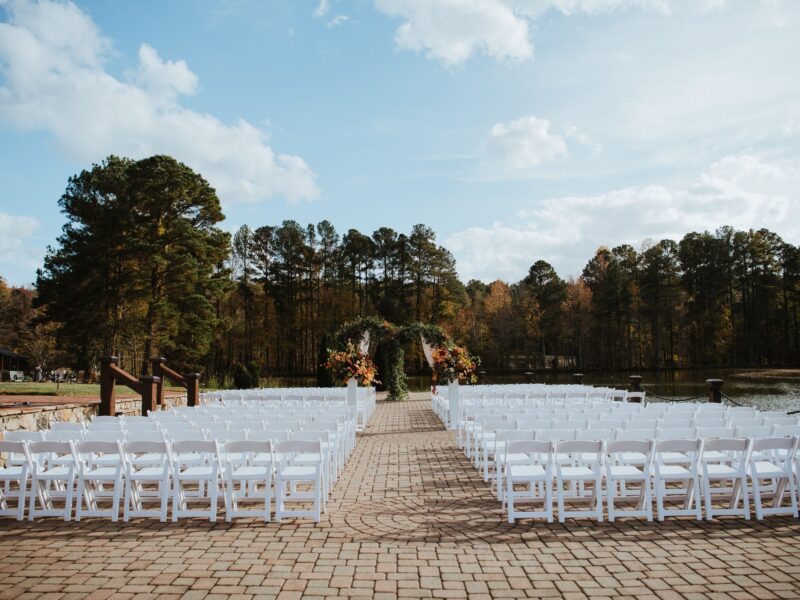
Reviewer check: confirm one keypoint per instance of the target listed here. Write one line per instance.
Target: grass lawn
(8, 388)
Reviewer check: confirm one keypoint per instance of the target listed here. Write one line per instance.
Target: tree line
(142, 268)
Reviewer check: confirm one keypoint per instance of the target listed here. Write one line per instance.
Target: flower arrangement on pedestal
(351, 363)
(454, 363)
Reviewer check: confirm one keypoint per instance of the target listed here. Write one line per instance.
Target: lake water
(767, 389)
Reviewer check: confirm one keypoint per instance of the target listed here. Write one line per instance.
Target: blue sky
(517, 129)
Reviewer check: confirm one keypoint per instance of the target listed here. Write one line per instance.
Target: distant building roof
(9, 354)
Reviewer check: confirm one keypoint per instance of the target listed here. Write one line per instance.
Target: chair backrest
(105, 419)
(227, 437)
(66, 426)
(555, 434)
(97, 447)
(579, 447)
(60, 448)
(63, 436)
(195, 435)
(249, 446)
(635, 434)
(777, 443)
(24, 436)
(713, 432)
(537, 447)
(596, 434)
(145, 436)
(104, 436)
(677, 445)
(786, 430)
(195, 446)
(15, 449)
(619, 446)
(292, 446)
(675, 433)
(746, 422)
(145, 447)
(726, 445)
(753, 431)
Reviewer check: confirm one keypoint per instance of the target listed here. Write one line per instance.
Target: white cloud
(740, 190)
(451, 31)
(52, 58)
(524, 144)
(322, 9)
(338, 20)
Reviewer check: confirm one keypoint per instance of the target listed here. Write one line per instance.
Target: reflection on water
(773, 389)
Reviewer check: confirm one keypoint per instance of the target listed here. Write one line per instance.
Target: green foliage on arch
(392, 340)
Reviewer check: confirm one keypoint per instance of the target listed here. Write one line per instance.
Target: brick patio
(410, 518)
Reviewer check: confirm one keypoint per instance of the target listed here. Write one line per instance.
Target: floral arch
(392, 340)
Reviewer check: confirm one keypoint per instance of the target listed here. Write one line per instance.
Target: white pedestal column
(352, 393)
(453, 389)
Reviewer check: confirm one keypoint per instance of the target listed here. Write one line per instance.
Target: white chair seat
(713, 455)
(101, 473)
(196, 473)
(525, 471)
(673, 457)
(767, 469)
(148, 473)
(106, 459)
(55, 473)
(512, 458)
(297, 472)
(626, 471)
(674, 471)
(248, 472)
(304, 459)
(10, 472)
(715, 470)
(633, 457)
(576, 472)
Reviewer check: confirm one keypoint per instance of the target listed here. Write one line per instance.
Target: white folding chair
(94, 474)
(13, 475)
(732, 466)
(618, 472)
(676, 462)
(66, 426)
(577, 467)
(774, 463)
(195, 462)
(289, 475)
(535, 473)
(255, 480)
(53, 478)
(141, 476)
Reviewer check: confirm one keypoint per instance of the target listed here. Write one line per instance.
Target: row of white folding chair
(63, 470)
(493, 454)
(536, 464)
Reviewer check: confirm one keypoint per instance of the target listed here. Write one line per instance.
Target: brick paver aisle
(409, 518)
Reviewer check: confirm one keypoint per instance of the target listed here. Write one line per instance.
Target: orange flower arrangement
(346, 364)
(451, 362)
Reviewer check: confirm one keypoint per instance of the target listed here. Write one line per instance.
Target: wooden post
(577, 378)
(157, 361)
(149, 387)
(482, 376)
(108, 404)
(635, 383)
(528, 376)
(192, 389)
(714, 390)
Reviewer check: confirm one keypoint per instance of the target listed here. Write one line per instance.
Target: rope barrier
(667, 399)
(731, 400)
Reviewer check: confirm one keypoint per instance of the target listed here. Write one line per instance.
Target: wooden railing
(111, 375)
(190, 381)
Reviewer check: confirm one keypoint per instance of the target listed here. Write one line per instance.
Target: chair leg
(610, 492)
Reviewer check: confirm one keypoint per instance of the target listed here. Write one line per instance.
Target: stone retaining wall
(37, 418)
